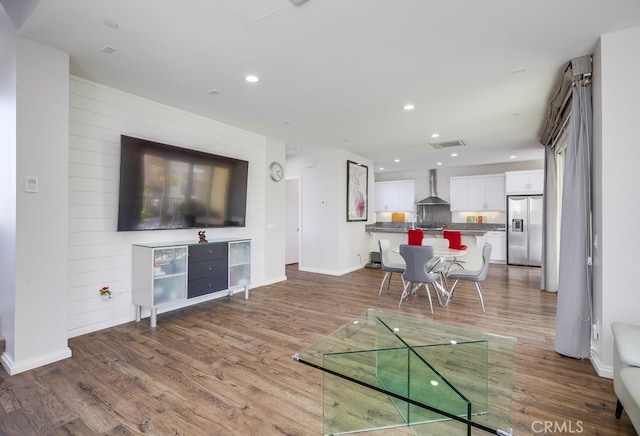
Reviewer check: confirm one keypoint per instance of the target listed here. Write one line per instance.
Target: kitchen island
(473, 236)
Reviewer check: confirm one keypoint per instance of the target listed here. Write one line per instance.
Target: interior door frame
(293, 213)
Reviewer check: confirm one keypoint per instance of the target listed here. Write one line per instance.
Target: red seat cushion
(415, 237)
(455, 239)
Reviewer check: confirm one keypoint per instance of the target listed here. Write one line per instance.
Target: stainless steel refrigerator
(524, 230)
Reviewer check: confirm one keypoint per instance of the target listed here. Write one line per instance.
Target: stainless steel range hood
(433, 199)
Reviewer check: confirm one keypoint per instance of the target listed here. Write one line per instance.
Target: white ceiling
(336, 73)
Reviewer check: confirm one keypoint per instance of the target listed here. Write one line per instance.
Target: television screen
(167, 187)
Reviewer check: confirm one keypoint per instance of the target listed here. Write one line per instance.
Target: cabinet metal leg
(138, 313)
(246, 292)
(152, 318)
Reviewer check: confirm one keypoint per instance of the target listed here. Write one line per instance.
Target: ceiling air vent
(448, 144)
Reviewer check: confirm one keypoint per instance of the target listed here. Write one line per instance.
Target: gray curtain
(573, 313)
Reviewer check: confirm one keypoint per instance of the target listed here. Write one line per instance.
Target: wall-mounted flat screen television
(166, 187)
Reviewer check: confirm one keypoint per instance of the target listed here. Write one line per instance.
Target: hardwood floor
(225, 367)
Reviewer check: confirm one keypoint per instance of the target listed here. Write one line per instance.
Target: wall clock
(276, 172)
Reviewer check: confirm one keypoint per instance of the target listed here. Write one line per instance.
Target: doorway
(292, 230)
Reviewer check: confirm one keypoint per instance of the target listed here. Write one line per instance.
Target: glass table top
(387, 370)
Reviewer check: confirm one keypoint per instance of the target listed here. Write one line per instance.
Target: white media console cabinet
(170, 273)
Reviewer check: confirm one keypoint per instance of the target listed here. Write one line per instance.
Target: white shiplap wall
(99, 255)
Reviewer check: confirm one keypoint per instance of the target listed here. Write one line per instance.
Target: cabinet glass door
(239, 263)
(169, 274)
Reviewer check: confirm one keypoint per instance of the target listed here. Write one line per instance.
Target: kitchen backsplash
(492, 217)
(441, 215)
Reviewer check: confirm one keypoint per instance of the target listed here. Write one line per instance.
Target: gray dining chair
(422, 268)
(475, 276)
(387, 265)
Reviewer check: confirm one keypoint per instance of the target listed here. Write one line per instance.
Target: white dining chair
(436, 242)
(387, 265)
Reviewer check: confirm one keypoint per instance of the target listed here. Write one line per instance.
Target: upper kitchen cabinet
(458, 187)
(395, 196)
(524, 182)
(477, 193)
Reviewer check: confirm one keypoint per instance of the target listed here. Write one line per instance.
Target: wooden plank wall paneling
(99, 255)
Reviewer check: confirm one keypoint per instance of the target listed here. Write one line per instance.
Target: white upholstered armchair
(626, 370)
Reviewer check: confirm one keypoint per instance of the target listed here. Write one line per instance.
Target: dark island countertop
(464, 228)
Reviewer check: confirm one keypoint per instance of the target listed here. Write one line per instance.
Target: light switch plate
(31, 184)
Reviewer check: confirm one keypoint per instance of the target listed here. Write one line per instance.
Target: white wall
(98, 254)
(7, 179)
(60, 245)
(329, 244)
(275, 217)
(38, 331)
(616, 158)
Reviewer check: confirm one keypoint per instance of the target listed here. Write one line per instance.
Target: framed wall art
(357, 191)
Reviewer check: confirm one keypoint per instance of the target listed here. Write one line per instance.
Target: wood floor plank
(225, 366)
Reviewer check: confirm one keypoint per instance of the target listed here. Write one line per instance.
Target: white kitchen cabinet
(477, 193)
(395, 196)
(524, 182)
(458, 193)
(494, 191)
(498, 241)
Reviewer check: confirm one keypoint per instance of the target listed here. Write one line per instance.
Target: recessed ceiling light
(408, 107)
(252, 78)
(298, 148)
(513, 156)
(381, 168)
(454, 154)
(109, 49)
(396, 160)
(110, 24)
(439, 163)
(214, 92)
(435, 135)
(518, 70)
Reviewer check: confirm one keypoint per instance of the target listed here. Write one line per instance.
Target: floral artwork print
(357, 191)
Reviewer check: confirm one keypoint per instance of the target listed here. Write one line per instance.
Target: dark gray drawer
(202, 252)
(206, 268)
(207, 285)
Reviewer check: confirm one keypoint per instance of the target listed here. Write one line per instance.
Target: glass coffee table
(406, 375)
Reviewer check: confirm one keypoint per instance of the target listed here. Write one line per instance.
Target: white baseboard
(14, 368)
(331, 272)
(602, 370)
(274, 280)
